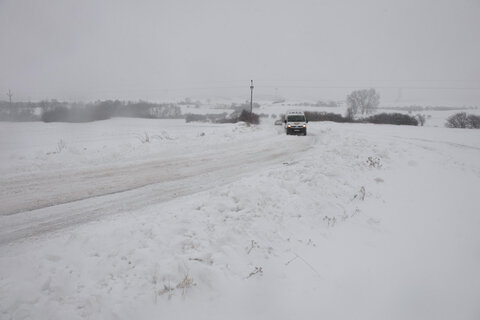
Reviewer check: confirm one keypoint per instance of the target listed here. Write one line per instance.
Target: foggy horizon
(410, 51)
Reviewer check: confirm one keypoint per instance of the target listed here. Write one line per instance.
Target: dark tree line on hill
(418, 108)
(236, 116)
(381, 118)
(56, 111)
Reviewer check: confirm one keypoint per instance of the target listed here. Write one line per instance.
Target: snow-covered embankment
(362, 221)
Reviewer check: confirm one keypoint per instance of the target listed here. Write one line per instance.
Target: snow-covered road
(354, 221)
(48, 200)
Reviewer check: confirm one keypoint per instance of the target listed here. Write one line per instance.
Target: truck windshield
(296, 118)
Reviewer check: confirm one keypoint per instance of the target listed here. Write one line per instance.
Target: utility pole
(9, 94)
(251, 96)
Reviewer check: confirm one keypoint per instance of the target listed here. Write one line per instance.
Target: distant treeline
(57, 111)
(240, 113)
(417, 108)
(381, 118)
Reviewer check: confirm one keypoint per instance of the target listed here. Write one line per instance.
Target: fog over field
(425, 51)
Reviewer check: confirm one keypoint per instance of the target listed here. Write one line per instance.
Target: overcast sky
(92, 49)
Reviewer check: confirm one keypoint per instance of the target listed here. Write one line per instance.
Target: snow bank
(371, 222)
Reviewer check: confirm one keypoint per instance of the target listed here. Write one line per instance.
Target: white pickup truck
(296, 123)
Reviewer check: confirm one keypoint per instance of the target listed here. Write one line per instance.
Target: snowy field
(159, 219)
(434, 118)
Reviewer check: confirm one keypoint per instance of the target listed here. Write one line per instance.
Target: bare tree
(363, 101)
(421, 119)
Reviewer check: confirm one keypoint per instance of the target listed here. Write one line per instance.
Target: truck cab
(296, 123)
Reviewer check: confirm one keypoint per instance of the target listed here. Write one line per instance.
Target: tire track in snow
(32, 206)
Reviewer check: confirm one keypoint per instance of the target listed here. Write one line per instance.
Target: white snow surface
(159, 219)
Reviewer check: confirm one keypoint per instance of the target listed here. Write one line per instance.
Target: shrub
(458, 120)
(462, 120)
(473, 121)
(195, 117)
(234, 117)
(227, 120)
(392, 118)
(326, 116)
(249, 117)
(55, 115)
(244, 106)
(383, 118)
